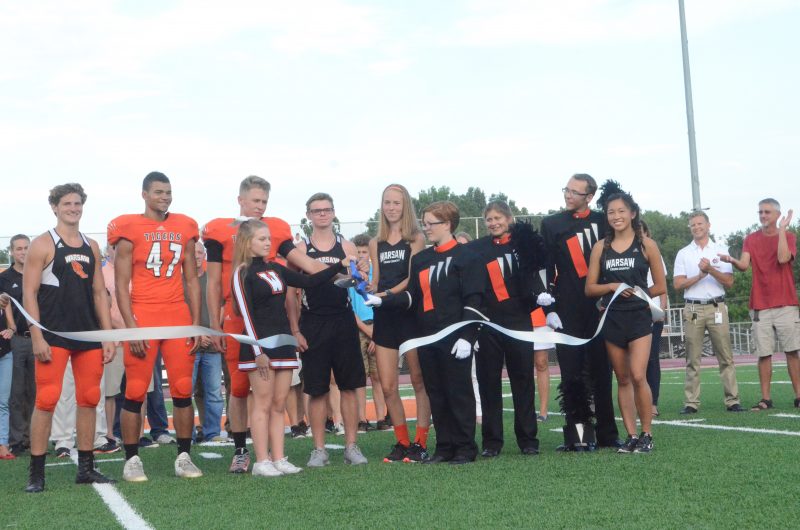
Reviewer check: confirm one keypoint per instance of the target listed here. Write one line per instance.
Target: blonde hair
(244, 236)
(409, 227)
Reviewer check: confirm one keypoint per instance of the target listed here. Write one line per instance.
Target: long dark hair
(611, 191)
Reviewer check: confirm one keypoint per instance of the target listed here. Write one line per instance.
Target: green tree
(4, 256)
(470, 204)
(306, 227)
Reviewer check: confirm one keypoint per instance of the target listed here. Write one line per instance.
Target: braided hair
(611, 191)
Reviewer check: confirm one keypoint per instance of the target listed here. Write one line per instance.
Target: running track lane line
(124, 513)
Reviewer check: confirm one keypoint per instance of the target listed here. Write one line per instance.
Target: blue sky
(347, 97)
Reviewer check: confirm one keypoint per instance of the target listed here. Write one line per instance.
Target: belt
(715, 301)
(25, 334)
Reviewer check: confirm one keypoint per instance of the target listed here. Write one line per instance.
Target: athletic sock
(37, 462)
(240, 441)
(85, 456)
(131, 450)
(184, 445)
(422, 436)
(401, 433)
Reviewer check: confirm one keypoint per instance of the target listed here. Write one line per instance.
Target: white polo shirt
(687, 264)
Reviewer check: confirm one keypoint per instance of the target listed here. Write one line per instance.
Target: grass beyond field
(713, 470)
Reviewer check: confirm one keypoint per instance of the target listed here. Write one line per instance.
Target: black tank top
(326, 299)
(629, 266)
(66, 299)
(393, 261)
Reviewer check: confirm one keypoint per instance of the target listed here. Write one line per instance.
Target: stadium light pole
(687, 89)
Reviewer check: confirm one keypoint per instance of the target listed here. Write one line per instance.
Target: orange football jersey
(159, 248)
(223, 231)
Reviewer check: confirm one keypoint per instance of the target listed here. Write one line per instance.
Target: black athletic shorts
(333, 344)
(622, 327)
(282, 358)
(390, 328)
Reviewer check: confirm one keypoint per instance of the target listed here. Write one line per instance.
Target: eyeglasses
(430, 225)
(573, 193)
(321, 211)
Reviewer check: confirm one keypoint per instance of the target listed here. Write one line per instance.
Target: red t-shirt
(773, 283)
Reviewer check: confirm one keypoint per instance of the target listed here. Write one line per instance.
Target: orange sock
(401, 433)
(422, 436)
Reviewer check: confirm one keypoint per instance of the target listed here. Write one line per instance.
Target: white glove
(373, 301)
(461, 349)
(554, 321)
(545, 299)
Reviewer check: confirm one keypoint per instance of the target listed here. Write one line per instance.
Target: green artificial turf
(695, 478)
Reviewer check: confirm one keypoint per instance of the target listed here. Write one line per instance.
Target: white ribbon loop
(538, 335)
(159, 333)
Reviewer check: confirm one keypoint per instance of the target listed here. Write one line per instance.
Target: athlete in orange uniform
(219, 236)
(155, 256)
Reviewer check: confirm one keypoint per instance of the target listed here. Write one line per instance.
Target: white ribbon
(539, 335)
(158, 333)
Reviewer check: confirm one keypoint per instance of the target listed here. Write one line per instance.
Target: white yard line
(124, 513)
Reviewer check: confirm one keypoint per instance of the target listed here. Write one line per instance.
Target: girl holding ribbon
(259, 289)
(625, 256)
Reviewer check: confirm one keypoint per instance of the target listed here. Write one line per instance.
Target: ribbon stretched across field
(159, 333)
(537, 335)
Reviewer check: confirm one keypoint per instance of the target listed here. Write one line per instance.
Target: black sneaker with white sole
(645, 444)
(629, 445)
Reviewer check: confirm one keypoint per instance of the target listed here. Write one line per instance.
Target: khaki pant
(697, 319)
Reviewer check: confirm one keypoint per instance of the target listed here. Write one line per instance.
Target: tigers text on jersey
(159, 248)
(66, 295)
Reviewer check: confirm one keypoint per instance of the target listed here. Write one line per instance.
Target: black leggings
(653, 364)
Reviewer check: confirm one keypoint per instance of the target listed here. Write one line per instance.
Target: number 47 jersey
(159, 248)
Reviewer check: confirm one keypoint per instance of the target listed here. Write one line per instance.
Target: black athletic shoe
(35, 475)
(388, 421)
(490, 453)
(736, 407)
(416, 454)
(460, 460)
(329, 426)
(645, 444)
(363, 427)
(383, 426)
(62, 452)
(399, 452)
(629, 445)
(530, 450)
(89, 475)
(688, 409)
(111, 446)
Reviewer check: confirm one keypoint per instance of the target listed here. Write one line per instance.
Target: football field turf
(714, 469)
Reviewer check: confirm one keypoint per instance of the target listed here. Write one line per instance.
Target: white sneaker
(165, 439)
(318, 458)
(285, 467)
(338, 429)
(265, 468)
(185, 468)
(134, 470)
(353, 455)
